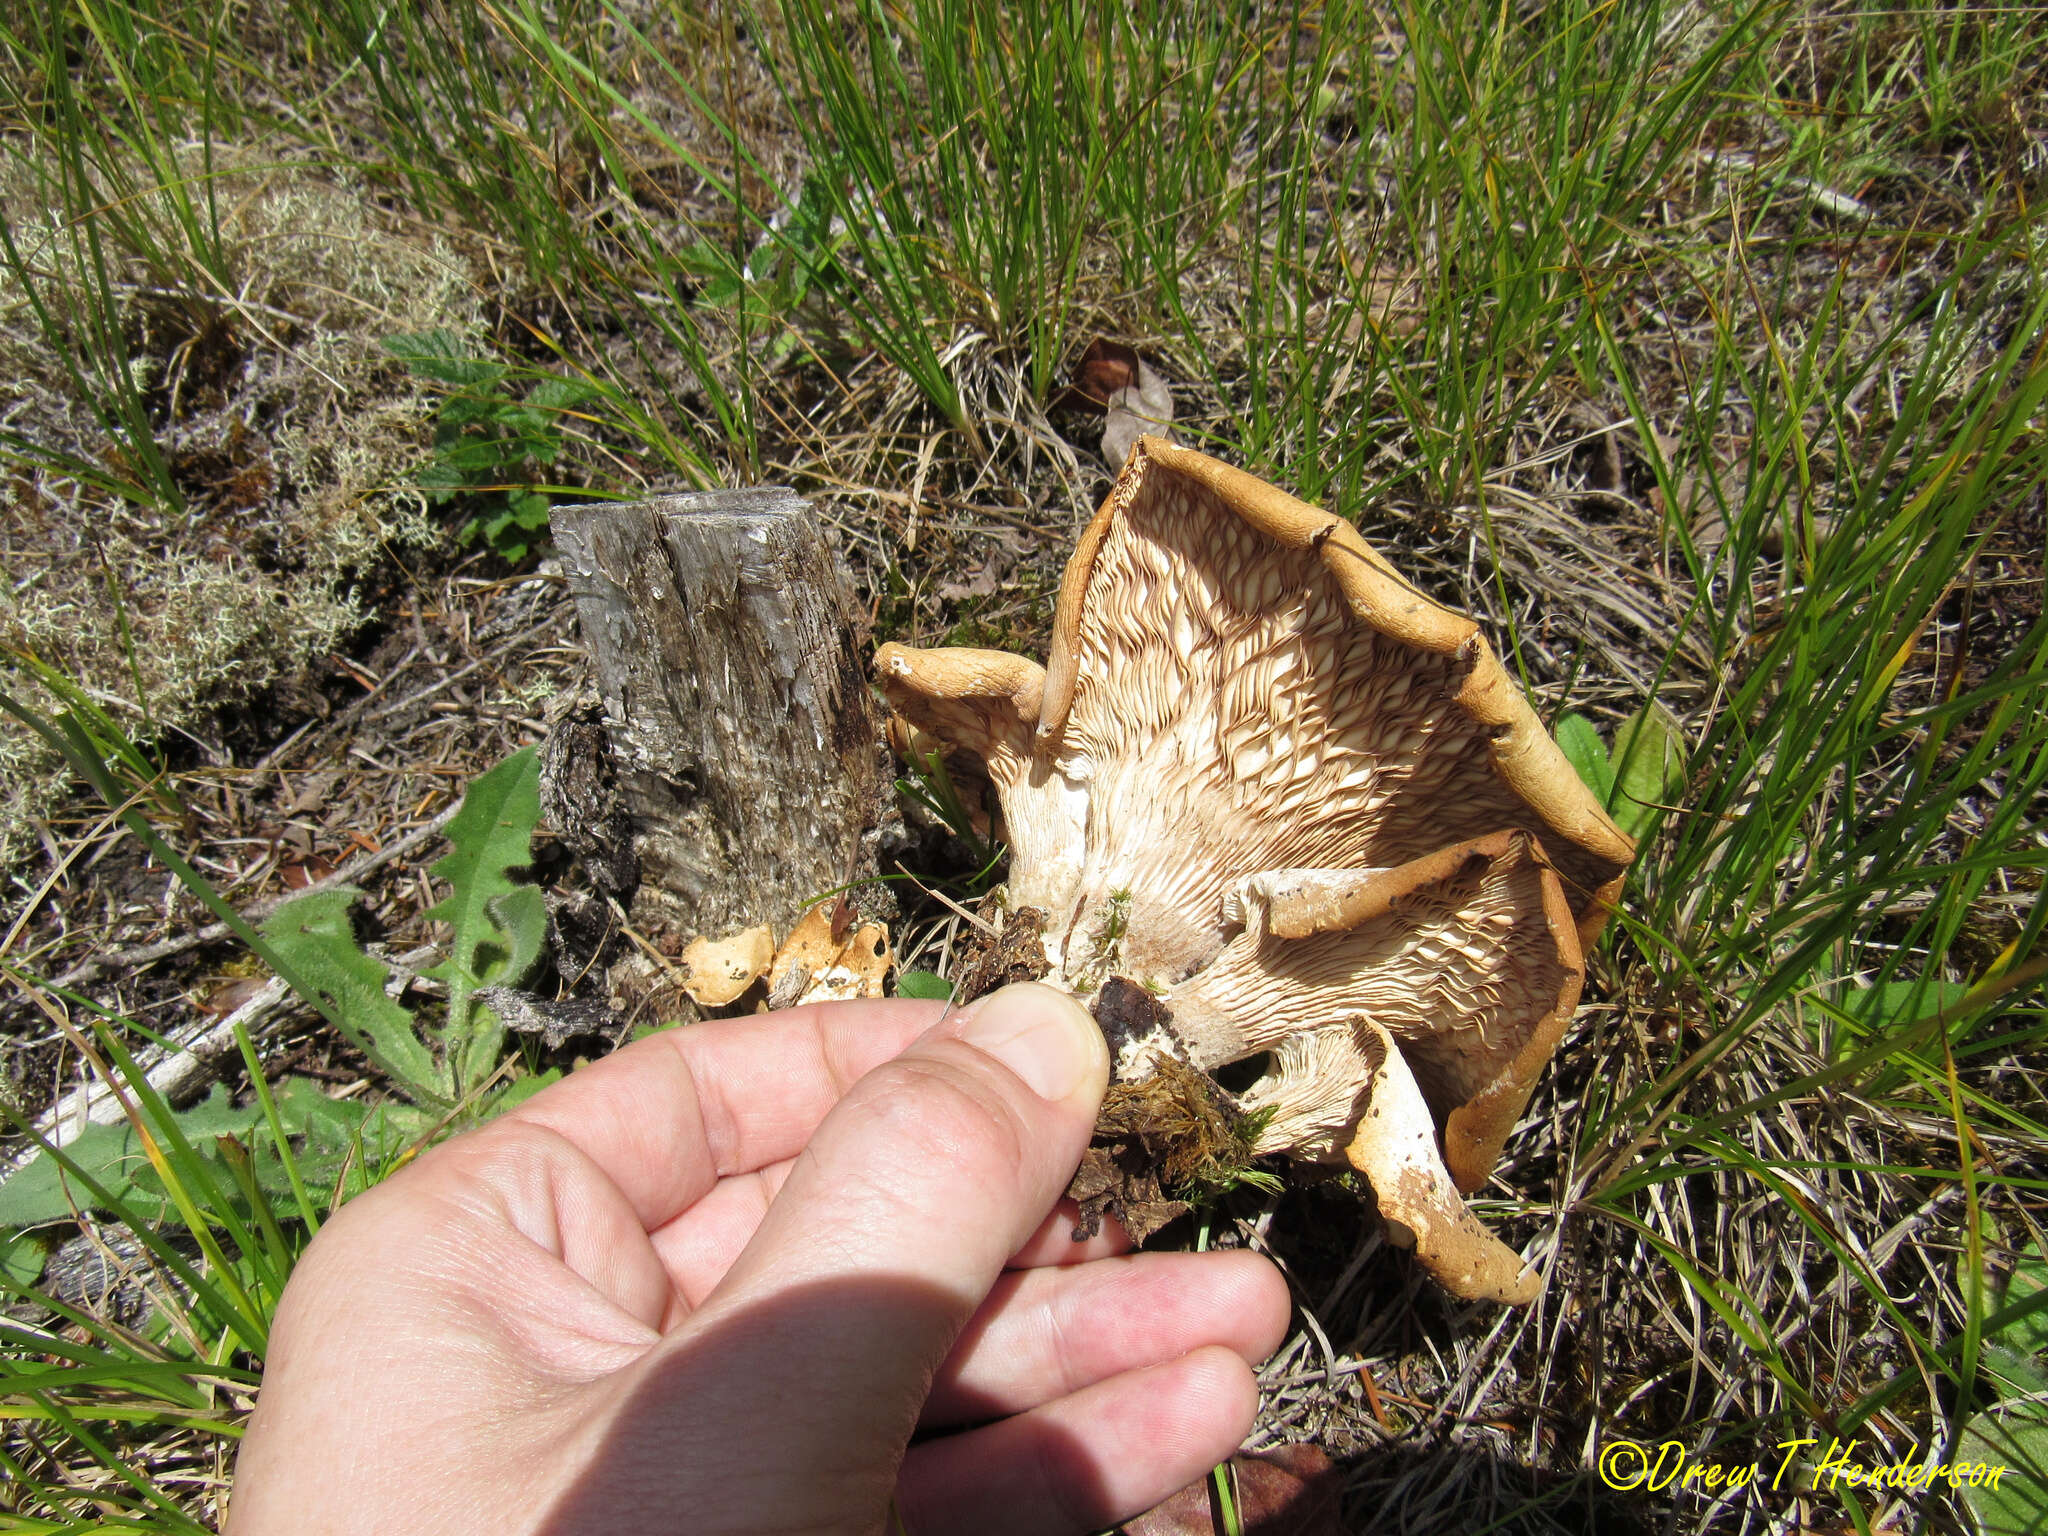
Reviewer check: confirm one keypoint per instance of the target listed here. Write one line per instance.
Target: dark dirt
(1160, 1143)
(985, 962)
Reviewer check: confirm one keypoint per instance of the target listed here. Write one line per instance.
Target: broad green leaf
(524, 1087)
(22, 1256)
(43, 1191)
(529, 509)
(2024, 1307)
(2013, 1431)
(1580, 742)
(923, 984)
(491, 836)
(314, 935)
(443, 356)
(440, 480)
(1896, 1003)
(2013, 1436)
(521, 916)
(559, 395)
(1648, 766)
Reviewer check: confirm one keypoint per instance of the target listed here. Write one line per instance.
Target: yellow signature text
(1629, 1466)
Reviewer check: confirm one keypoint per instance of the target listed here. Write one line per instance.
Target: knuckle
(948, 1110)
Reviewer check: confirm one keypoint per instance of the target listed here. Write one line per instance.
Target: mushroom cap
(1202, 602)
(1264, 775)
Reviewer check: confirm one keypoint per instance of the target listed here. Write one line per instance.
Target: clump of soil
(1160, 1140)
(988, 961)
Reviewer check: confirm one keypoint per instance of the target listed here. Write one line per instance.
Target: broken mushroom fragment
(817, 965)
(719, 971)
(1268, 781)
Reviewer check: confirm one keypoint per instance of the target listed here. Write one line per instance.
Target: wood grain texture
(745, 745)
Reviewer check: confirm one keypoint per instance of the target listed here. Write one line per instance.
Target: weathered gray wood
(745, 758)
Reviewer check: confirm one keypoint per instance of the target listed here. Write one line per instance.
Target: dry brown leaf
(225, 1000)
(303, 872)
(1144, 406)
(1292, 1490)
(1106, 367)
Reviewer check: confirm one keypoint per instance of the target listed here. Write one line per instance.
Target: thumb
(883, 1241)
(938, 1165)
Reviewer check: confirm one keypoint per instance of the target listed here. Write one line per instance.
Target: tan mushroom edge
(1528, 761)
(1395, 1149)
(1477, 1130)
(985, 701)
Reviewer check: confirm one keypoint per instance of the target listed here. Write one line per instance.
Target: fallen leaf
(298, 875)
(1106, 367)
(223, 1001)
(312, 793)
(1292, 1490)
(987, 579)
(981, 584)
(1145, 406)
(721, 971)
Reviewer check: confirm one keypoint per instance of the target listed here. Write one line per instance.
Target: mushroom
(1302, 804)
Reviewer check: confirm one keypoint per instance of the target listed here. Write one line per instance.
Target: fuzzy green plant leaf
(522, 1088)
(444, 357)
(499, 926)
(1893, 1005)
(336, 1143)
(2013, 1431)
(488, 441)
(1579, 739)
(1645, 771)
(515, 530)
(22, 1257)
(314, 935)
(342, 1143)
(923, 984)
(1648, 767)
(45, 1190)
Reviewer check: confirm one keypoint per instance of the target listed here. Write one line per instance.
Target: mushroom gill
(1266, 779)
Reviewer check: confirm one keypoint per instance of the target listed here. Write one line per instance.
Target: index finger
(669, 1116)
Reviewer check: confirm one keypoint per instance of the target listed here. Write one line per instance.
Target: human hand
(717, 1281)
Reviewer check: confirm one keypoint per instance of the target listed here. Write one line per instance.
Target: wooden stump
(735, 766)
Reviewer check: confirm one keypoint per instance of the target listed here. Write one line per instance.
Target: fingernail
(1043, 1036)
